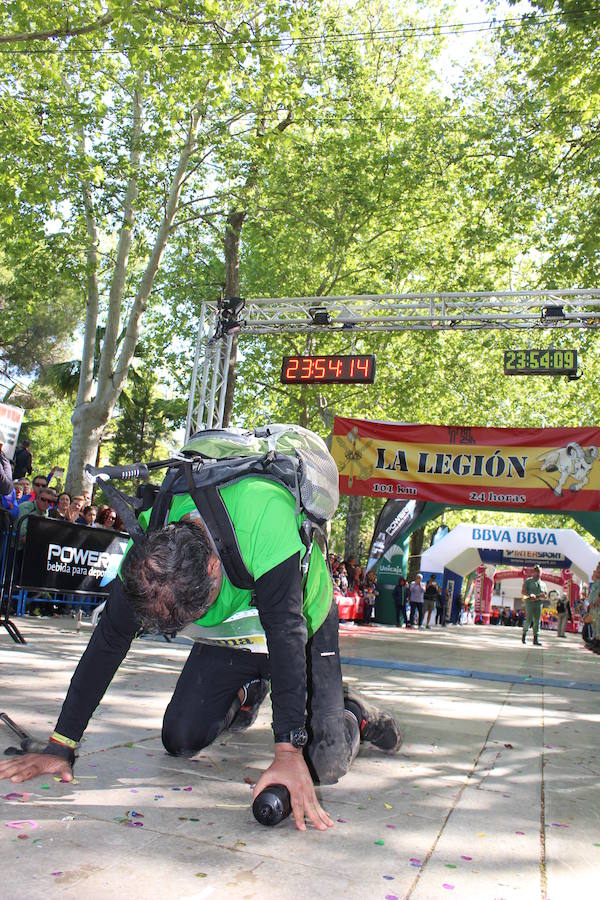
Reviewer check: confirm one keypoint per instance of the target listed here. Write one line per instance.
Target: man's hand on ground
(22, 768)
(290, 769)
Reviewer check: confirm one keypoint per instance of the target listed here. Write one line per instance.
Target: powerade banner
(394, 520)
(524, 468)
(64, 557)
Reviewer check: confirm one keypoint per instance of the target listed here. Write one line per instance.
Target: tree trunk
(231, 245)
(352, 544)
(416, 546)
(87, 434)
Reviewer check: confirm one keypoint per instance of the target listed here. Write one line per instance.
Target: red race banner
(520, 468)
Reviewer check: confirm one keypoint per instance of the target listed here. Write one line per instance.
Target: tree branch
(117, 287)
(100, 22)
(86, 374)
(147, 282)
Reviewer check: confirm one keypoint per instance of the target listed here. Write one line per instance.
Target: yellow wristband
(61, 739)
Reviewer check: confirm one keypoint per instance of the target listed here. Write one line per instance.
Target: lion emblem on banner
(572, 461)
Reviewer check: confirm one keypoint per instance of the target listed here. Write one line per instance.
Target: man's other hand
(290, 769)
(22, 768)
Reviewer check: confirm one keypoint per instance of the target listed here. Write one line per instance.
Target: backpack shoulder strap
(216, 518)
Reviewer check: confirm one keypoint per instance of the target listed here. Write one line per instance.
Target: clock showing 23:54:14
(540, 362)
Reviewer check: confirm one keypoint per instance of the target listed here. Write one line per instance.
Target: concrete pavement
(495, 793)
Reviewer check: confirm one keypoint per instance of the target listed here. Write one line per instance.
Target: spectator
(74, 515)
(61, 509)
(369, 594)
(343, 579)
(401, 602)
(6, 478)
(416, 594)
(106, 517)
(23, 462)
(350, 565)
(432, 589)
(456, 610)
(441, 605)
(26, 492)
(563, 612)
(90, 514)
(37, 507)
(10, 505)
(39, 482)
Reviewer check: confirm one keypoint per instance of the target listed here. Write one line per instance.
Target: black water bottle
(272, 805)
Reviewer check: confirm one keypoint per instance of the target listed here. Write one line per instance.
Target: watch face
(299, 737)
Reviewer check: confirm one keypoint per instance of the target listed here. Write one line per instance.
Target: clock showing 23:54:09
(540, 362)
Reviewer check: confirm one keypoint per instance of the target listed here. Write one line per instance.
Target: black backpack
(290, 455)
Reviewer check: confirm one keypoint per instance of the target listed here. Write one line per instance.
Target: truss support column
(190, 411)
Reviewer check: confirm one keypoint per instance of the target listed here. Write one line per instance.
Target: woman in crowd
(106, 517)
(61, 508)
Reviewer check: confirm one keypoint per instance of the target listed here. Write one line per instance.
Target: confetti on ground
(509, 746)
(133, 791)
(20, 825)
(450, 866)
(390, 826)
(188, 788)
(159, 796)
(596, 845)
(23, 837)
(389, 877)
(201, 875)
(559, 825)
(482, 834)
(468, 858)
(380, 842)
(343, 821)
(45, 787)
(413, 859)
(391, 897)
(448, 887)
(519, 832)
(388, 805)
(16, 795)
(56, 873)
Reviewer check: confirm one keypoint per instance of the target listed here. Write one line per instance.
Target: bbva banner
(64, 557)
(520, 468)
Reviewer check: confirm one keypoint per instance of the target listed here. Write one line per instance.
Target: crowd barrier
(49, 560)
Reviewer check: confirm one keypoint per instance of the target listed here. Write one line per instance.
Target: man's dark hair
(166, 578)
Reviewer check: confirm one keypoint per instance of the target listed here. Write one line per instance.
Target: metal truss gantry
(468, 311)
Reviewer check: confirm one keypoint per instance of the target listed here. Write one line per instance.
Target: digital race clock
(328, 370)
(540, 362)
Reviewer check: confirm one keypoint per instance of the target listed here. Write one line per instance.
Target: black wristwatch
(297, 737)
